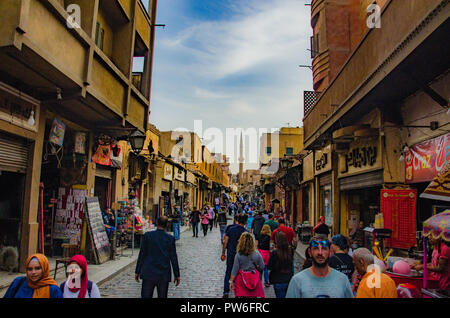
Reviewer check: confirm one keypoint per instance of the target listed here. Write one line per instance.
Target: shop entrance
(102, 190)
(11, 205)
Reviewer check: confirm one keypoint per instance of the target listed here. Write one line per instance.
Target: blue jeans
(222, 230)
(195, 228)
(226, 281)
(266, 274)
(176, 230)
(280, 290)
(148, 286)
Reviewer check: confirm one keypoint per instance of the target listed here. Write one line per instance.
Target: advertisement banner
(424, 161)
(399, 213)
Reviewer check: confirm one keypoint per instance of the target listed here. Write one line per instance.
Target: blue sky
(230, 63)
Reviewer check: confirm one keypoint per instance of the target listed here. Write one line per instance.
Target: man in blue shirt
(230, 242)
(320, 280)
(157, 254)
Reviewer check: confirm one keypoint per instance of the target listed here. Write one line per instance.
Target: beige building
(68, 92)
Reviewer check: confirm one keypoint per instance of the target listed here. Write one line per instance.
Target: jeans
(176, 230)
(266, 274)
(148, 286)
(195, 228)
(205, 229)
(280, 290)
(226, 281)
(222, 230)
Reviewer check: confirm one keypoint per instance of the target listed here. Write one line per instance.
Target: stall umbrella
(438, 227)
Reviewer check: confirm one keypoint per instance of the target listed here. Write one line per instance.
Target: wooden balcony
(41, 54)
(407, 30)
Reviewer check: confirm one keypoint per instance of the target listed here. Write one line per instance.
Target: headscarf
(42, 287)
(81, 261)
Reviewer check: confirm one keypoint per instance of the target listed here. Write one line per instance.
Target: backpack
(89, 287)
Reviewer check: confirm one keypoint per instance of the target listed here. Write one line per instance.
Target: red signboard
(424, 161)
(399, 213)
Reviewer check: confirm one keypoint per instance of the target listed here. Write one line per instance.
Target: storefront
(165, 203)
(360, 174)
(423, 162)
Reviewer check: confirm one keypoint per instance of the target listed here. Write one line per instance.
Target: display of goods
(402, 267)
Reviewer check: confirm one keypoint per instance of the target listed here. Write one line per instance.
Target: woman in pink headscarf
(78, 285)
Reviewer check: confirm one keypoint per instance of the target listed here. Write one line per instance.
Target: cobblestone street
(202, 271)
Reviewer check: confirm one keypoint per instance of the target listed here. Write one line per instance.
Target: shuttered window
(13, 154)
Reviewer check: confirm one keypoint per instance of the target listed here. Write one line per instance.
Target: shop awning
(439, 188)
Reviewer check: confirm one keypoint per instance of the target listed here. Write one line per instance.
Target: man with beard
(320, 280)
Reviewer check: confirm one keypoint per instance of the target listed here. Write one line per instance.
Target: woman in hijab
(37, 283)
(78, 285)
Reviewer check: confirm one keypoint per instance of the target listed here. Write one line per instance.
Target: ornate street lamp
(286, 163)
(137, 140)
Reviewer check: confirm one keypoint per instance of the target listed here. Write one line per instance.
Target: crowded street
(225, 149)
(202, 271)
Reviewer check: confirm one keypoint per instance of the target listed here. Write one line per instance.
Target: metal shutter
(325, 179)
(13, 154)
(361, 181)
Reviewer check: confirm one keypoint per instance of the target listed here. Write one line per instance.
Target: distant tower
(241, 161)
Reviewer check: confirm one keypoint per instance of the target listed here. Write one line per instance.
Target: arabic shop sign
(322, 160)
(362, 156)
(18, 111)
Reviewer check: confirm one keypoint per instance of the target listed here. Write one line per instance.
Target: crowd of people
(256, 253)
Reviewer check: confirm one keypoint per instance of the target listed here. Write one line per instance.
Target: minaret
(241, 161)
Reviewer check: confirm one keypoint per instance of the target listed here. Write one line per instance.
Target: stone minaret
(241, 161)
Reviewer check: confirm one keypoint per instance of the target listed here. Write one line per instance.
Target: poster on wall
(80, 142)
(399, 212)
(69, 215)
(57, 132)
(424, 161)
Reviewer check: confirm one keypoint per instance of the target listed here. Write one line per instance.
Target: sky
(230, 64)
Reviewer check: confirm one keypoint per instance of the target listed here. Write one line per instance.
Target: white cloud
(240, 72)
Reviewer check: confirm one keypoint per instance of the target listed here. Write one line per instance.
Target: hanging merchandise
(57, 132)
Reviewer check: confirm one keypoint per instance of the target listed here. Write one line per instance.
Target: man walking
(157, 254)
(320, 280)
(230, 242)
(271, 222)
(374, 283)
(195, 220)
(222, 220)
(257, 224)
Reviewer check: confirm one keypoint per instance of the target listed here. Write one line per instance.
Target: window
(269, 151)
(146, 4)
(315, 45)
(289, 151)
(99, 36)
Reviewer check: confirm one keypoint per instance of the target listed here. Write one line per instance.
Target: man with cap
(340, 260)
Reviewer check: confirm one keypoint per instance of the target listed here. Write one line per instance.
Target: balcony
(41, 54)
(376, 72)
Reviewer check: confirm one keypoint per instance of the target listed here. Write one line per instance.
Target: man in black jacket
(257, 224)
(157, 253)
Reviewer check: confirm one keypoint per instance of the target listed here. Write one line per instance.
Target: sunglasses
(323, 243)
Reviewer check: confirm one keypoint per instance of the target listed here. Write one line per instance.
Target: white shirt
(95, 292)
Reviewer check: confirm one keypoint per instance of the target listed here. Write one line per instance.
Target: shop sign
(190, 177)
(179, 174)
(168, 172)
(360, 157)
(322, 160)
(308, 167)
(424, 161)
(19, 111)
(399, 213)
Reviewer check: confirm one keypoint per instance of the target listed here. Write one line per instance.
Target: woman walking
(280, 265)
(37, 283)
(77, 273)
(248, 266)
(263, 244)
(205, 223)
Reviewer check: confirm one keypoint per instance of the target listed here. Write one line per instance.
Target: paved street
(202, 271)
